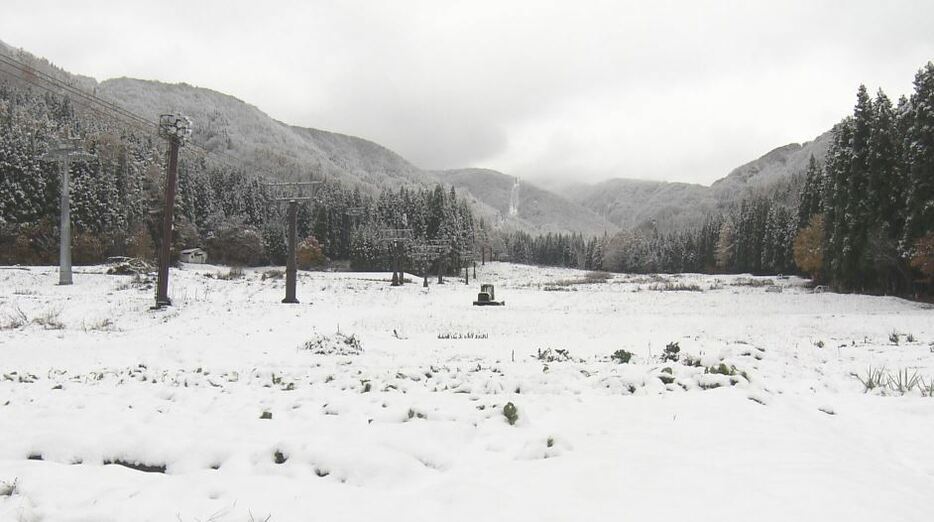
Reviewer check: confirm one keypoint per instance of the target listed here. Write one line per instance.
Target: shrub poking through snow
(337, 344)
(511, 413)
(49, 320)
(621, 356)
(671, 352)
(416, 414)
(8, 489)
(690, 360)
(722, 369)
(902, 382)
(669, 286)
(235, 272)
(911, 338)
(899, 382)
(872, 379)
(13, 320)
(553, 355)
(893, 338)
(273, 274)
(279, 458)
(927, 388)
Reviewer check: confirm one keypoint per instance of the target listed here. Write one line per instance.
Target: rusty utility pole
(176, 129)
(65, 151)
(292, 192)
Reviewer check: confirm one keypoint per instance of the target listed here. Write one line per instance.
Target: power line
(108, 109)
(27, 73)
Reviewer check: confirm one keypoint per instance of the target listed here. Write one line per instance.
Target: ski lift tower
(292, 192)
(425, 254)
(397, 239)
(64, 152)
(443, 248)
(466, 258)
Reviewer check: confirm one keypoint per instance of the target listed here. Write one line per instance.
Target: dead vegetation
(102, 325)
(235, 272)
(749, 281)
(675, 286)
(132, 266)
(13, 319)
(273, 274)
(50, 319)
(590, 278)
(16, 318)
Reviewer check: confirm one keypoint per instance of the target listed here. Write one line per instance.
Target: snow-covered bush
(8, 489)
(671, 352)
(621, 356)
(511, 413)
(553, 355)
(337, 344)
(690, 360)
(237, 245)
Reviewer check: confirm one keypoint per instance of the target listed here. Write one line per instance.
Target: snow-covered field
(212, 409)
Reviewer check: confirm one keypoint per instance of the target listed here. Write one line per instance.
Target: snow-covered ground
(226, 416)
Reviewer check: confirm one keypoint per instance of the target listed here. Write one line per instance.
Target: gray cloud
(575, 90)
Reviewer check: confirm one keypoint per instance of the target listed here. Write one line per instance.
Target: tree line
(867, 211)
(862, 220)
(116, 199)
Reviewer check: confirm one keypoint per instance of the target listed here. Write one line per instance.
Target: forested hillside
(116, 197)
(862, 219)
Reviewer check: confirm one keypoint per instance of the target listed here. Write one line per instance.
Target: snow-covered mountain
(227, 125)
(536, 209)
(243, 133)
(666, 205)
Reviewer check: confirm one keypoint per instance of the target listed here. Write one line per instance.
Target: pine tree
(919, 153)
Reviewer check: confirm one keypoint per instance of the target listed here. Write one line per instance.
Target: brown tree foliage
(308, 254)
(809, 246)
(140, 244)
(923, 258)
(725, 246)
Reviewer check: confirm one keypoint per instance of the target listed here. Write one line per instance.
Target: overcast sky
(577, 90)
